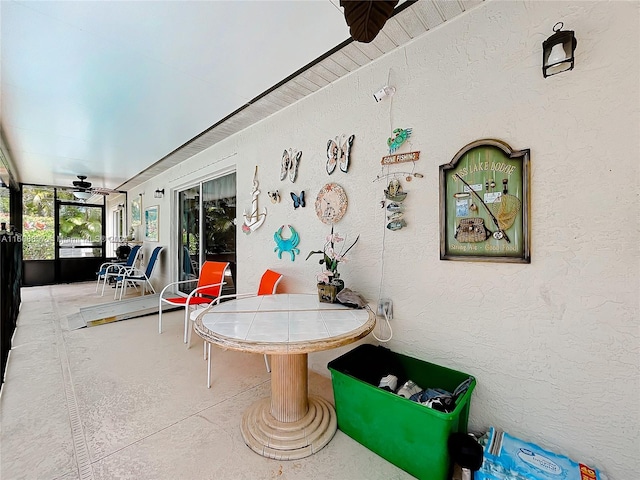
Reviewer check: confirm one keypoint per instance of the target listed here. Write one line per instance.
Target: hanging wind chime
(394, 193)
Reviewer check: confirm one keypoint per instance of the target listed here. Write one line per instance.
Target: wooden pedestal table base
(287, 326)
(289, 425)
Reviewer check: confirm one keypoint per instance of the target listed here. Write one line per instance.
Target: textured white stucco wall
(554, 345)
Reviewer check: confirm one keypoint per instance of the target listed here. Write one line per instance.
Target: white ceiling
(108, 89)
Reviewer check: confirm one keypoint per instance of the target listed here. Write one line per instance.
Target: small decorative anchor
(255, 219)
(287, 244)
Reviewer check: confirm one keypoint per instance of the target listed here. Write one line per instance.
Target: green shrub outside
(38, 244)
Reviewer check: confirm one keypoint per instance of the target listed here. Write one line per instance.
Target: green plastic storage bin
(410, 435)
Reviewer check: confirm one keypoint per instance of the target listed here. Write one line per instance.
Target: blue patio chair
(134, 275)
(113, 269)
(189, 266)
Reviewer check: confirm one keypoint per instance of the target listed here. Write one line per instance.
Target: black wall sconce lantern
(158, 193)
(557, 51)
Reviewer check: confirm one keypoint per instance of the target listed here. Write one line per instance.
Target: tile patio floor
(120, 401)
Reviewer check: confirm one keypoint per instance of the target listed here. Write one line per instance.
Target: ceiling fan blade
(104, 190)
(366, 18)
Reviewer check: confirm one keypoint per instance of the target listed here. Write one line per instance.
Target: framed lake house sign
(484, 204)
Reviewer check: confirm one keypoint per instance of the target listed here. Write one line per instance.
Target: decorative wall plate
(331, 203)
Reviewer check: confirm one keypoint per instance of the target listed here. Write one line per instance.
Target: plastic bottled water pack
(509, 458)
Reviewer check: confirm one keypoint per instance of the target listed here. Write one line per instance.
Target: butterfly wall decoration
(274, 196)
(289, 164)
(339, 153)
(298, 200)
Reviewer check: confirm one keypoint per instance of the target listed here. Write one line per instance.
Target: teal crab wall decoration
(287, 244)
(397, 138)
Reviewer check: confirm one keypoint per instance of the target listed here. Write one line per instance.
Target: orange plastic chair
(207, 291)
(269, 282)
(268, 286)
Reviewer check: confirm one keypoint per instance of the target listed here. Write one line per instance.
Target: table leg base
(288, 440)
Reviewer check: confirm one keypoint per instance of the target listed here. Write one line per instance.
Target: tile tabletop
(283, 319)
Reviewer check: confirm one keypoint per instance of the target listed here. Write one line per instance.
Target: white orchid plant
(331, 257)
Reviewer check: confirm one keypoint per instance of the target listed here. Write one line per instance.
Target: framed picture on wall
(136, 211)
(484, 204)
(151, 223)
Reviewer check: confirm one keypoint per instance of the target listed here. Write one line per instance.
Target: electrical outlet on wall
(385, 308)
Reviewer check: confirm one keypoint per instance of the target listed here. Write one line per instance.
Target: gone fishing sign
(484, 204)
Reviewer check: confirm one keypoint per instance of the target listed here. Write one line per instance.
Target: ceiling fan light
(82, 195)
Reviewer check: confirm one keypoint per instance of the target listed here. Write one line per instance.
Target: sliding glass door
(207, 216)
(189, 238)
(219, 222)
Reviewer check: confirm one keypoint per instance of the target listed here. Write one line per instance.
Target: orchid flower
(330, 257)
(324, 277)
(334, 238)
